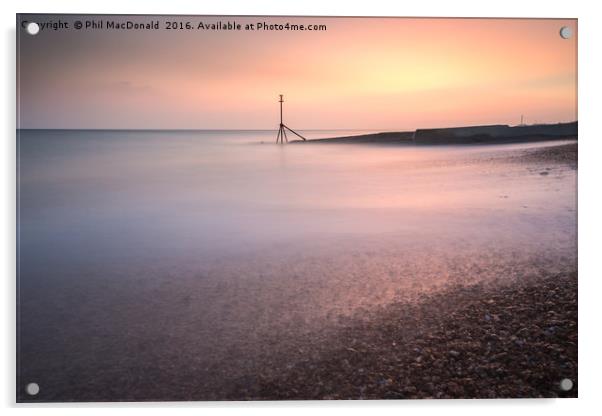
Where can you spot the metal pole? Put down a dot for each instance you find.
(281, 137)
(281, 101)
(293, 131)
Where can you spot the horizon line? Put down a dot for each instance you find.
(183, 129)
(392, 130)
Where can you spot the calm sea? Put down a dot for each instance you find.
(170, 264)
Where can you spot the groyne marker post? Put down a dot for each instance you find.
(281, 137)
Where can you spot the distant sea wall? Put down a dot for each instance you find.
(495, 133)
(386, 138)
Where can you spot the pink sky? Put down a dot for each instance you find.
(361, 73)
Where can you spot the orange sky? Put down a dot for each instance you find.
(372, 73)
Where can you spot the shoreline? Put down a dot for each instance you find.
(404, 138)
(512, 340)
(564, 154)
(492, 134)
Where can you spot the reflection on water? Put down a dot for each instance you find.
(167, 264)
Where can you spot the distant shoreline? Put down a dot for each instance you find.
(490, 134)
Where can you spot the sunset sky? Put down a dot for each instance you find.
(361, 73)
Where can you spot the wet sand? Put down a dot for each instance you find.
(563, 154)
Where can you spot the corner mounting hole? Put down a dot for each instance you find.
(566, 384)
(32, 389)
(566, 32)
(32, 28)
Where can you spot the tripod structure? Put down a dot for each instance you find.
(283, 128)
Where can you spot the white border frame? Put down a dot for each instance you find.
(590, 139)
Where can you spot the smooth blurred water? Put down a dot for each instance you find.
(196, 258)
